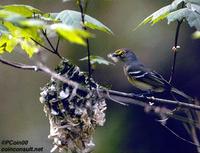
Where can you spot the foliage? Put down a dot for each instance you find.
(96, 60)
(188, 10)
(22, 25)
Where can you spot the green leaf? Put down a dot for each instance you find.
(196, 35)
(157, 16)
(10, 16)
(24, 10)
(160, 14)
(177, 15)
(97, 60)
(29, 46)
(71, 34)
(96, 27)
(20, 32)
(73, 18)
(192, 17)
(3, 30)
(193, 1)
(7, 43)
(18, 35)
(32, 23)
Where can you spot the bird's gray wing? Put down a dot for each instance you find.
(147, 76)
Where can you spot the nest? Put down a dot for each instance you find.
(73, 113)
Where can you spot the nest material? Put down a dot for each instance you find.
(73, 113)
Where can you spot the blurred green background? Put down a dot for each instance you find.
(128, 129)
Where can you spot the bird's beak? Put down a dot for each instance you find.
(113, 57)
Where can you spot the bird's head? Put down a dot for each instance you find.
(123, 54)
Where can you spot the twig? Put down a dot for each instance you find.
(87, 40)
(131, 96)
(153, 99)
(183, 139)
(19, 65)
(57, 44)
(42, 46)
(47, 38)
(42, 68)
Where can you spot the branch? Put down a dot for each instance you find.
(19, 65)
(130, 96)
(152, 99)
(54, 50)
(87, 40)
(42, 68)
(42, 46)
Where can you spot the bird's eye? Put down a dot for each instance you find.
(120, 52)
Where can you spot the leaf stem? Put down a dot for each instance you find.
(175, 50)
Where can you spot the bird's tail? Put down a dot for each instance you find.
(181, 94)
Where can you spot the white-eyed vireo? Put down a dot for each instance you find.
(142, 77)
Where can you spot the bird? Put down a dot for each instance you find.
(142, 77)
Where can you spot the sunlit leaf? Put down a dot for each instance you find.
(3, 29)
(24, 10)
(7, 43)
(29, 46)
(19, 32)
(192, 17)
(96, 27)
(193, 1)
(97, 60)
(32, 23)
(73, 18)
(157, 16)
(71, 34)
(160, 14)
(196, 35)
(10, 16)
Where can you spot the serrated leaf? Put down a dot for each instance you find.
(19, 32)
(177, 15)
(196, 35)
(7, 43)
(3, 29)
(71, 34)
(73, 18)
(29, 46)
(97, 60)
(32, 23)
(24, 10)
(193, 7)
(96, 27)
(160, 14)
(193, 18)
(157, 16)
(193, 1)
(10, 16)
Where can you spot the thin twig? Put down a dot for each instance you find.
(51, 51)
(19, 65)
(42, 68)
(131, 96)
(42, 46)
(183, 139)
(47, 38)
(87, 40)
(57, 44)
(154, 99)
